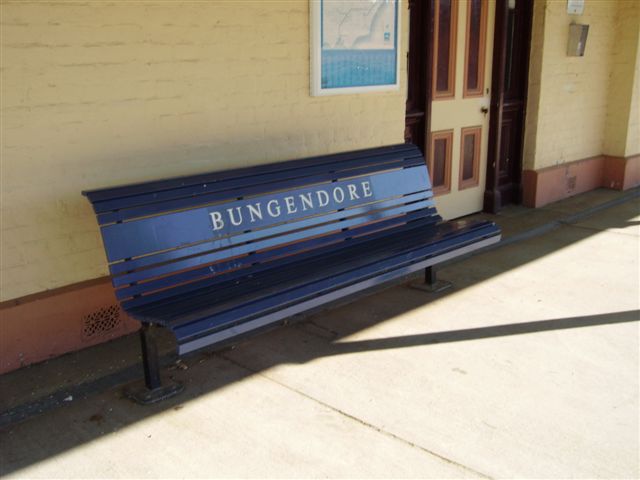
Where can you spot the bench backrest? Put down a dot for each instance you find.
(170, 236)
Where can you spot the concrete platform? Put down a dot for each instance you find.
(527, 368)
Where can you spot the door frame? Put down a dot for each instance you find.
(419, 62)
(492, 196)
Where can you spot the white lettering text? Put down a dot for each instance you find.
(255, 211)
(307, 203)
(352, 191)
(232, 216)
(277, 208)
(321, 194)
(291, 208)
(216, 219)
(366, 187)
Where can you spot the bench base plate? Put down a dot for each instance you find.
(437, 286)
(139, 393)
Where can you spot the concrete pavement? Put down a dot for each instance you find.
(527, 368)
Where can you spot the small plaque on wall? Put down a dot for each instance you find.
(354, 46)
(575, 7)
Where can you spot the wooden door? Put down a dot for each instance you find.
(418, 73)
(508, 103)
(459, 129)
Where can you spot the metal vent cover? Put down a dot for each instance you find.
(101, 321)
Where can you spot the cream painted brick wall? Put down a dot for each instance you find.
(633, 132)
(573, 115)
(569, 96)
(102, 93)
(535, 93)
(580, 107)
(621, 109)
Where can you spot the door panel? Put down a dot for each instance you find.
(418, 102)
(508, 160)
(461, 107)
(508, 103)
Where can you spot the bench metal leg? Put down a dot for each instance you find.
(431, 282)
(153, 391)
(150, 358)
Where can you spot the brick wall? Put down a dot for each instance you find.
(633, 130)
(97, 94)
(534, 88)
(581, 107)
(622, 113)
(569, 99)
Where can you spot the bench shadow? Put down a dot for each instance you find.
(101, 409)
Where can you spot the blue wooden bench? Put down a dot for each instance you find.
(217, 255)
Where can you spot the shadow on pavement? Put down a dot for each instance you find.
(98, 407)
(485, 332)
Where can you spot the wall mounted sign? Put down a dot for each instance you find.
(575, 7)
(354, 46)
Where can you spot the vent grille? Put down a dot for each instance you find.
(101, 321)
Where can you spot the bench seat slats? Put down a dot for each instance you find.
(332, 279)
(139, 194)
(208, 259)
(236, 330)
(208, 195)
(99, 195)
(178, 229)
(194, 274)
(276, 258)
(236, 250)
(252, 236)
(272, 260)
(317, 266)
